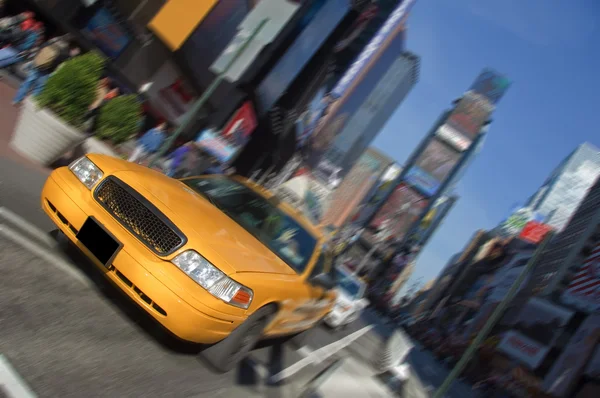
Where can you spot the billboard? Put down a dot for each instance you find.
(309, 40)
(432, 167)
(368, 55)
(177, 19)
(465, 121)
(105, 32)
(534, 232)
(584, 290)
(361, 178)
(473, 109)
(567, 369)
(491, 85)
(397, 215)
(375, 198)
(517, 221)
(538, 326)
(432, 219)
(277, 14)
(226, 143)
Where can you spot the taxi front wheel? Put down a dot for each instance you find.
(229, 352)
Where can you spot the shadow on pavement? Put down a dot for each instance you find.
(118, 299)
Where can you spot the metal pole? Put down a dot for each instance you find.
(494, 318)
(206, 95)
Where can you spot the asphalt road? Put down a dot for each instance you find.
(70, 339)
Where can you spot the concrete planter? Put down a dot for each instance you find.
(41, 136)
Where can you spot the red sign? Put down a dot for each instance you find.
(243, 121)
(534, 232)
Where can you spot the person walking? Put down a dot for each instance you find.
(49, 58)
(149, 143)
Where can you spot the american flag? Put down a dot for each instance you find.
(586, 282)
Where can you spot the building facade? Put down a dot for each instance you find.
(563, 257)
(560, 195)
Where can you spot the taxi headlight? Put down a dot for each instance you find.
(86, 171)
(213, 280)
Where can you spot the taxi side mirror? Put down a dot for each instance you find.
(324, 281)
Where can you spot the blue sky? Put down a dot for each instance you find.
(550, 49)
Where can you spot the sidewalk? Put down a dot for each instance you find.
(8, 119)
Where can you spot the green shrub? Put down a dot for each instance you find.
(71, 90)
(119, 119)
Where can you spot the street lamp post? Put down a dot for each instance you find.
(498, 312)
(206, 95)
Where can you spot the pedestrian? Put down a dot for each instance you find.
(105, 91)
(48, 59)
(177, 158)
(149, 143)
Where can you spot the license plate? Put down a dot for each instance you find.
(99, 241)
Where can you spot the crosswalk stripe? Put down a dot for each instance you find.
(11, 382)
(26, 226)
(43, 253)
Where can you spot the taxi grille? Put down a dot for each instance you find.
(139, 216)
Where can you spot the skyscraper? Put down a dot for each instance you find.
(558, 198)
(388, 85)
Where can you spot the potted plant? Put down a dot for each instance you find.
(118, 121)
(49, 124)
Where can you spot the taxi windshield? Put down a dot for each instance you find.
(263, 219)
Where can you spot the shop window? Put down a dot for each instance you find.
(178, 96)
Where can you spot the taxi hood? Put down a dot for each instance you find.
(211, 232)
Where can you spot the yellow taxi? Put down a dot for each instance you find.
(216, 260)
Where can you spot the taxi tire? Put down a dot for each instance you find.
(229, 352)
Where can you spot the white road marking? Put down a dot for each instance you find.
(11, 382)
(320, 355)
(26, 226)
(43, 253)
(305, 351)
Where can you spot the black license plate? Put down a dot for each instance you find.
(99, 241)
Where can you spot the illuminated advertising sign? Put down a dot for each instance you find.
(361, 178)
(397, 215)
(395, 20)
(534, 232)
(373, 200)
(535, 332)
(106, 33)
(236, 133)
(469, 115)
(491, 85)
(432, 167)
(584, 290)
(177, 19)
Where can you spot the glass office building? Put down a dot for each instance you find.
(561, 194)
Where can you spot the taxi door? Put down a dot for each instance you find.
(320, 300)
(307, 307)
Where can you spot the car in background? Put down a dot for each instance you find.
(216, 260)
(350, 300)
